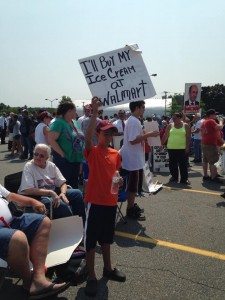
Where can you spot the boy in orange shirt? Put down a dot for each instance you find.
(103, 162)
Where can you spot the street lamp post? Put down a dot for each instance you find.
(165, 97)
(51, 100)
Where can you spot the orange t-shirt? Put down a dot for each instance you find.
(102, 163)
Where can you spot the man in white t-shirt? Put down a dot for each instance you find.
(133, 158)
(87, 113)
(41, 178)
(24, 239)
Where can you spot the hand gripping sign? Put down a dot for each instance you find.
(118, 76)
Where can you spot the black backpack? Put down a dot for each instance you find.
(74, 271)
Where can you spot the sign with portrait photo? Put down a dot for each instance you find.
(117, 77)
(192, 97)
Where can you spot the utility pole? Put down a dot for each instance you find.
(165, 97)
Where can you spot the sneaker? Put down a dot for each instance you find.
(134, 214)
(115, 275)
(216, 180)
(185, 182)
(141, 194)
(137, 207)
(172, 179)
(91, 288)
(205, 178)
(23, 157)
(198, 161)
(218, 175)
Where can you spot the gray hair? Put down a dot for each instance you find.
(43, 147)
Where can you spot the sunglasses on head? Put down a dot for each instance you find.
(36, 154)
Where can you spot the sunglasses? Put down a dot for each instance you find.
(36, 154)
(108, 133)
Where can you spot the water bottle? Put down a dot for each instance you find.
(115, 183)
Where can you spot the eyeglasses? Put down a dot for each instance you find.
(36, 154)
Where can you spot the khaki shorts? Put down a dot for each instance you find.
(210, 154)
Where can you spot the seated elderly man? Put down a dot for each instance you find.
(25, 239)
(41, 178)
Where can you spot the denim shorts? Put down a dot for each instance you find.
(28, 223)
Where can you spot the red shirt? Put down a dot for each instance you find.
(102, 163)
(209, 132)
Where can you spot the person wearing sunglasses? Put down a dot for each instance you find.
(41, 178)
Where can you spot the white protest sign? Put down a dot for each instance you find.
(148, 184)
(118, 76)
(160, 159)
(152, 126)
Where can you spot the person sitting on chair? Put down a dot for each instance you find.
(24, 239)
(41, 177)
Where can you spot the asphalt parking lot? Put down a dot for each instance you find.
(177, 253)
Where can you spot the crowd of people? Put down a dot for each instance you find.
(56, 149)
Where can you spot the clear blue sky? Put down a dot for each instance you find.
(42, 40)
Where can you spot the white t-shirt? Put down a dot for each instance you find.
(35, 177)
(132, 155)
(4, 209)
(39, 134)
(80, 120)
(119, 125)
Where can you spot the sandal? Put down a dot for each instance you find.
(48, 291)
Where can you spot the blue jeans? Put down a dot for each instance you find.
(28, 146)
(70, 170)
(75, 207)
(197, 149)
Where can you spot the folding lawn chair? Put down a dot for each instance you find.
(122, 197)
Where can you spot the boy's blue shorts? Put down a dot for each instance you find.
(28, 223)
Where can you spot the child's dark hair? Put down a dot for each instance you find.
(135, 104)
